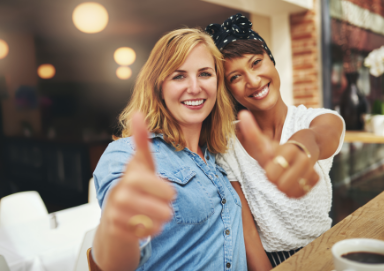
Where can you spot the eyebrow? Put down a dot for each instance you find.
(202, 69)
(249, 60)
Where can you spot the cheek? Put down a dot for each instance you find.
(169, 92)
(236, 92)
(211, 87)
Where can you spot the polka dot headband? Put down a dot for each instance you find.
(234, 28)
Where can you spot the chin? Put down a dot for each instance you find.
(263, 105)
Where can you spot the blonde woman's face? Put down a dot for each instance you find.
(190, 92)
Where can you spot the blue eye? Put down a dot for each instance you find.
(177, 77)
(205, 74)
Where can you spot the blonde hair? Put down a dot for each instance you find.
(169, 53)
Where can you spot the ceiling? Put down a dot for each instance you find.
(134, 23)
(142, 21)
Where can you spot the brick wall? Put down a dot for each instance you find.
(375, 6)
(305, 59)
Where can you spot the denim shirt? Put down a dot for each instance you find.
(206, 231)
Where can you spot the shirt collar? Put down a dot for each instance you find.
(204, 148)
(153, 135)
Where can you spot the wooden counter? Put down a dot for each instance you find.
(365, 222)
(361, 136)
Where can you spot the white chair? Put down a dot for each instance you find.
(82, 262)
(3, 264)
(92, 196)
(21, 207)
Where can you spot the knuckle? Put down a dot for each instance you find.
(120, 197)
(281, 187)
(271, 177)
(298, 195)
(303, 158)
(272, 173)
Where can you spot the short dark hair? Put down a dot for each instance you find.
(241, 47)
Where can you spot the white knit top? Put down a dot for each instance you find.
(283, 223)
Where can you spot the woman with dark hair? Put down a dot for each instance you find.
(284, 174)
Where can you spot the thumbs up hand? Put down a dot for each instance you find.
(139, 204)
(285, 165)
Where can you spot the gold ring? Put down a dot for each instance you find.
(280, 160)
(303, 184)
(142, 224)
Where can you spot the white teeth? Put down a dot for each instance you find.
(193, 103)
(261, 93)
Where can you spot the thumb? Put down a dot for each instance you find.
(140, 137)
(256, 143)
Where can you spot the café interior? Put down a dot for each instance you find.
(64, 81)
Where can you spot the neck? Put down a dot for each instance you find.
(271, 121)
(192, 137)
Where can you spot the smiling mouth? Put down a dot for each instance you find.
(193, 102)
(261, 93)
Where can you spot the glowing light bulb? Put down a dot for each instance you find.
(4, 49)
(123, 73)
(124, 56)
(46, 71)
(90, 17)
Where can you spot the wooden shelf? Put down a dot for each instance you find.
(360, 136)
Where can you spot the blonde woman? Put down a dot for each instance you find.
(171, 189)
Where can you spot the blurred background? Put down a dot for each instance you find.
(68, 68)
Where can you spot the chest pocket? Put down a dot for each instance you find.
(192, 205)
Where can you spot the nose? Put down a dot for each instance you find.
(194, 86)
(253, 80)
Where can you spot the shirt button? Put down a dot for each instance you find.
(223, 201)
(228, 265)
(227, 232)
(207, 157)
(217, 176)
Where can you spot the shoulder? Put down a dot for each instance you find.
(111, 166)
(230, 160)
(233, 147)
(112, 163)
(122, 144)
(304, 115)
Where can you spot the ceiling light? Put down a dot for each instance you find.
(4, 49)
(123, 73)
(124, 56)
(90, 17)
(46, 71)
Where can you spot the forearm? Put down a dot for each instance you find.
(257, 259)
(112, 253)
(324, 134)
(308, 138)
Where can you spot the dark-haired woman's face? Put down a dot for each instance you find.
(254, 81)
